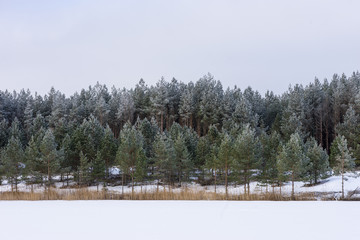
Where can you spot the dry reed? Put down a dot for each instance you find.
(85, 194)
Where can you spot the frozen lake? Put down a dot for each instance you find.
(178, 220)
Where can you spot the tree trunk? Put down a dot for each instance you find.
(132, 182)
(215, 180)
(342, 186)
(292, 185)
(321, 130)
(198, 127)
(280, 189)
(342, 177)
(48, 173)
(327, 137)
(168, 124)
(161, 122)
(245, 181)
(226, 179)
(122, 184)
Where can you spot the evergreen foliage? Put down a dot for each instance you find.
(292, 159)
(344, 160)
(175, 132)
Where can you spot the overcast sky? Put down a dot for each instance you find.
(262, 43)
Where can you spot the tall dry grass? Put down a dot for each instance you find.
(85, 194)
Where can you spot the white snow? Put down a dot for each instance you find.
(159, 220)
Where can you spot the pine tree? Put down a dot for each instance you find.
(203, 150)
(244, 113)
(164, 158)
(13, 161)
(4, 133)
(141, 168)
(186, 108)
(318, 162)
(182, 159)
(126, 108)
(16, 130)
(350, 129)
(84, 170)
(270, 147)
(292, 159)
(213, 163)
(28, 119)
(98, 169)
(66, 165)
(149, 130)
(212, 144)
(246, 146)
(129, 152)
(108, 149)
(225, 156)
(49, 156)
(102, 110)
(159, 101)
(281, 166)
(33, 167)
(210, 102)
(2, 169)
(344, 160)
(141, 98)
(38, 127)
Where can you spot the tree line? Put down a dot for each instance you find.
(175, 132)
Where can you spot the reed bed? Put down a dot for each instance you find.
(184, 194)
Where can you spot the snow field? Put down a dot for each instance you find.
(178, 220)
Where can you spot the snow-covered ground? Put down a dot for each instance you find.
(330, 187)
(178, 220)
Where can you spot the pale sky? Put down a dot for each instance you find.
(70, 44)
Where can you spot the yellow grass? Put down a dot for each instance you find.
(184, 194)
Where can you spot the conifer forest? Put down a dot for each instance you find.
(174, 133)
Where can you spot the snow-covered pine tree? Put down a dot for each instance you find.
(126, 108)
(164, 159)
(182, 159)
(318, 162)
(33, 165)
(292, 159)
(98, 167)
(344, 160)
(159, 101)
(129, 152)
(84, 170)
(187, 106)
(141, 96)
(108, 148)
(4, 133)
(49, 156)
(225, 156)
(13, 161)
(245, 153)
(270, 147)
